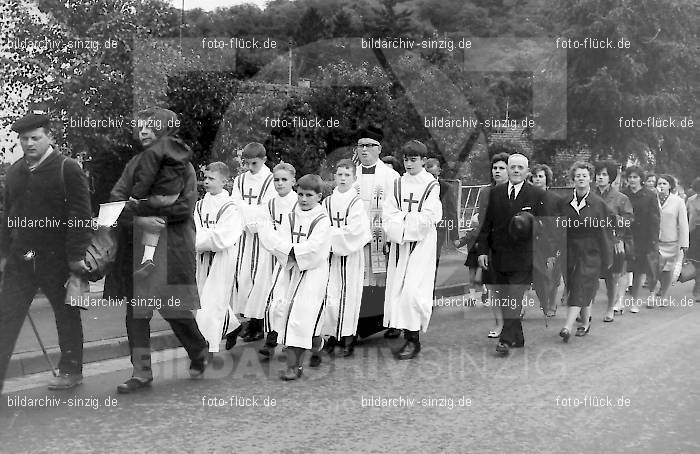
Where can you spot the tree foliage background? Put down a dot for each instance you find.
(222, 109)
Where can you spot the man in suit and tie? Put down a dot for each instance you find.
(507, 233)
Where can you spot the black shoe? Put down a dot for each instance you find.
(315, 360)
(348, 343)
(348, 350)
(133, 384)
(144, 270)
(392, 333)
(503, 349)
(66, 381)
(199, 365)
(409, 350)
(565, 334)
(232, 337)
(330, 345)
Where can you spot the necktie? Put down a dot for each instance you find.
(512, 193)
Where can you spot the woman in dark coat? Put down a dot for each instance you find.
(643, 260)
(499, 174)
(171, 287)
(589, 251)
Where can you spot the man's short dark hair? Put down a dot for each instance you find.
(254, 150)
(609, 165)
(311, 182)
(220, 168)
(414, 148)
(346, 164)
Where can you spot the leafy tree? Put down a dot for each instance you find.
(656, 76)
(312, 27)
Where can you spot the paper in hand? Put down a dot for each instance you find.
(109, 213)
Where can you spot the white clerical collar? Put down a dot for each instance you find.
(579, 206)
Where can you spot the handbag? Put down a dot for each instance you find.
(688, 271)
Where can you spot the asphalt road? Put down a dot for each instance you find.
(630, 386)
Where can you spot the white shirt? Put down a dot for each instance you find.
(517, 187)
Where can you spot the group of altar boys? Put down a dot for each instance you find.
(291, 262)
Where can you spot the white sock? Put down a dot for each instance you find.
(148, 252)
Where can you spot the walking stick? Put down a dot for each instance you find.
(41, 344)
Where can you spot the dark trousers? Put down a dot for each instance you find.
(21, 281)
(509, 289)
(138, 330)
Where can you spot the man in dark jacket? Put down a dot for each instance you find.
(44, 233)
(510, 261)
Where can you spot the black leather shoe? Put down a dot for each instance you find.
(133, 384)
(144, 270)
(315, 360)
(502, 348)
(392, 333)
(199, 365)
(329, 347)
(348, 350)
(409, 350)
(232, 337)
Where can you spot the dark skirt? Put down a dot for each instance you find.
(583, 269)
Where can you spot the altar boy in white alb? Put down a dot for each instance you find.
(350, 232)
(270, 215)
(409, 218)
(301, 246)
(218, 228)
(251, 190)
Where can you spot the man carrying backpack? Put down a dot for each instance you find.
(44, 232)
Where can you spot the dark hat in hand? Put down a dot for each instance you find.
(31, 121)
(520, 227)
